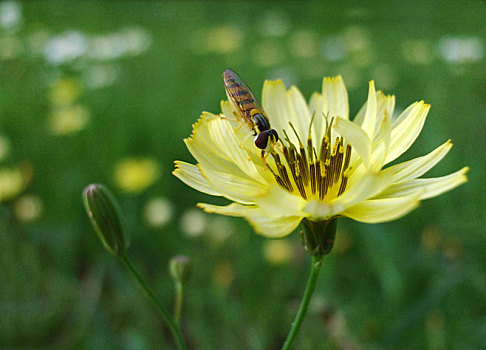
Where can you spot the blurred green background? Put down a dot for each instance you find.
(106, 91)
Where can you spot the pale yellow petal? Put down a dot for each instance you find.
(278, 202)
(316, 105)
(386, 106)
(370, 117)
(361, 186)
(356, 137)
(233, 187)
(272, 227)
(358, 119)
(262, 224)
(191, 176)
(276, 104)
(427, 188)
(369, 185)
(406, 129)
(418, 166)
(335, 98)
(318, 210)
(380, 151)
(233, 209)
(382, 210)
(299, 112)
(204, 150)
(223, 136)
(208, 152)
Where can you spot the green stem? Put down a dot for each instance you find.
(179, 299)
(174, 329)
(309, 290)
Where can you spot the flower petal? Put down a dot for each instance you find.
(356, 137)
(223, 135)
(361, 186)
(427, 188)
(278, 202)
(335, 98)
(382, 210)
(274, 101)
(300, 112)
(316, 105)
(386, 106)
(235, 188)
(369, 185)
(191, 176)
(283, 107)
(202, 147)
(379, 152)
(370, 118)
(233, 209)
(406, 128)
(207, 145)
(272, 227)
(262, 224)
(418, 166)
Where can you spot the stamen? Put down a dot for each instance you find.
(313, 175)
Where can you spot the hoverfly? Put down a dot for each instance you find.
(250, 110)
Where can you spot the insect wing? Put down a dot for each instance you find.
(241, 95)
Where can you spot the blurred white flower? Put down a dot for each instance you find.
(100, 75)
(193, 222)
(274, 24)
(65, 47)
(455, 49)
(10, 14)
(158, 212)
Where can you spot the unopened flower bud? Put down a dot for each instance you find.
(105, 215)
(180, 268)
(318, 236)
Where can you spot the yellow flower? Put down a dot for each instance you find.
(324, 166)
(136, 174)
(12, 182)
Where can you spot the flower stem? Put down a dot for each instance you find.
(174, 329)
(309, 290)
(179, 299)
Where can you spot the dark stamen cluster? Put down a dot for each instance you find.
(313, 175)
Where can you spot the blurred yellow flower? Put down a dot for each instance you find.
(12, 182)
(136, 174)
(277, 252)
(4, 147)
(68, 119)
(221, 39)
(65, 91)
(28, 207)
(324, 166)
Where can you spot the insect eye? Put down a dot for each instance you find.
(261, 141)
(274, 134)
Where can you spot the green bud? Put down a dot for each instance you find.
(318, 236)
(180, 268)
(105, 215)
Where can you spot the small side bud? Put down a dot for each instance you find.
(105, 216)
(318, 236)
(180, 268)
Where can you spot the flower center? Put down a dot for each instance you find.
(312, 175)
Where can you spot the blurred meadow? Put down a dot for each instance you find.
(106, 91)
